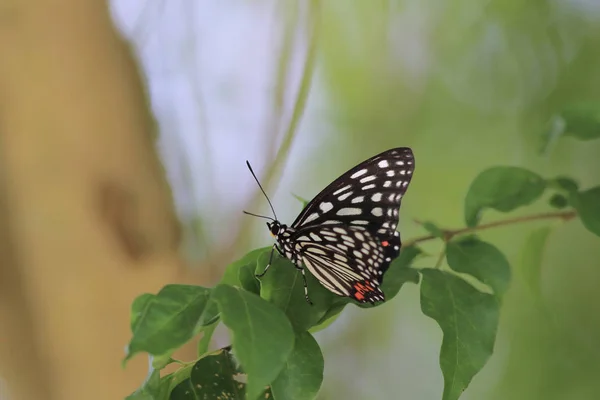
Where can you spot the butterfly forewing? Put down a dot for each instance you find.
(367, 195)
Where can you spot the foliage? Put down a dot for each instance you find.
(273, 353)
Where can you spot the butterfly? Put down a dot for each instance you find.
(346, 236)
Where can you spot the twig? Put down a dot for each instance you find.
(449, 234)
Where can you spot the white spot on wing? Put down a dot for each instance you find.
(390, 173)
(316, 250)
(315, 237)
(377, 211)
(325, 206)
(371, 186)
(347, 238)
(340, 257)
(358, 199)
(342, 190)
(376, 197)
(358, 173)
(387, 184)
(349, 211)
(344, 196)
(368, 179)
(383, 164)
(311, 217)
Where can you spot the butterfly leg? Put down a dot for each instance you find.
(305, 287)
(270, 261)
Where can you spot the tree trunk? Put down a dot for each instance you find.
(86, 217)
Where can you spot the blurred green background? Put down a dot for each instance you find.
(467, 85)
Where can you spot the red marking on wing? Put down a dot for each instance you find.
(385, 243)
(361, 289)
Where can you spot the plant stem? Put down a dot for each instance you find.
(450, 233)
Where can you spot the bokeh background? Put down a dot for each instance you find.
(466, 84)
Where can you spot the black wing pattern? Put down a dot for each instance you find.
(346, 236)
(346, 260)
(368, 195)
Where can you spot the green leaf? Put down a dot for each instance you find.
(564, 184)
(330, 316)
(433, 229)
(138, 308)
(558, 201)
(283, 286)
(204, 342)
(169, 320)
(154, 388)
(240, 273)
(400, 272)
(469, 321)
(503, 189)
(159, 362)
(212, 377)
(301, 200)
(587, 204)
(302, 375)
(531, 258)
(262, 335)
(582, 121)
(482, 260)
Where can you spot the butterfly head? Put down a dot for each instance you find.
(276, 227)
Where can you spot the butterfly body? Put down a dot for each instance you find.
(346, 236)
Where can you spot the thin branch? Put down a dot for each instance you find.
(449, 234)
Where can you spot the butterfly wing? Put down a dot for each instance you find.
(346, 260)
(366, 196)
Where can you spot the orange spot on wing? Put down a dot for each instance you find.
(385, 243)
(361, 289)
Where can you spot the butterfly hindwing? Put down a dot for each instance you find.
(347, 260)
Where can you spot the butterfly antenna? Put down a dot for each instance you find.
(257, 215)
(262, 190)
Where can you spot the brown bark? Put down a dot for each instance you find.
(86, 220)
